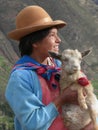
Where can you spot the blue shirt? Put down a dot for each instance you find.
(24, 95)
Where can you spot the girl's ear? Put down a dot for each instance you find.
(34, 45)
(86, 52)
(55, 55)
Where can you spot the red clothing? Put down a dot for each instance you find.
(48, 94)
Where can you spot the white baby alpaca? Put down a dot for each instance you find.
(77, 117)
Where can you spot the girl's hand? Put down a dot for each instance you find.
(89, 127)
(67, 96)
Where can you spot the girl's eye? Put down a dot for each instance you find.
(51, 33)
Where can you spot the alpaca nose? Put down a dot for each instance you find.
(75, 67)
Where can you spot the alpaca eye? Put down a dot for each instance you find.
(80, 59)
(66, 59)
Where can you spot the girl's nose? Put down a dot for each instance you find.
(58, 39)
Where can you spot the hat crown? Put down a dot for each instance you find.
(32, 19)
(32, 15)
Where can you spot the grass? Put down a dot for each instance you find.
(6, 123)
(95, 84)
(6, 116)
(5, 68)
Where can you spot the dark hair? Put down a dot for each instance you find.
(25, 45)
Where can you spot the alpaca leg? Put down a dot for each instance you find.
(81, 98)
(93, 117)
(92, 103)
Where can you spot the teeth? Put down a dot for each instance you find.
(56, 47)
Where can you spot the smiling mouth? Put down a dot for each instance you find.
(56, 47)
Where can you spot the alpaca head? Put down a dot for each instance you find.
(71, 59)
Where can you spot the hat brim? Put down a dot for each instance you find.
(17, 34)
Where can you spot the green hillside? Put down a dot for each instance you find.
(5, 68)
(6, 115)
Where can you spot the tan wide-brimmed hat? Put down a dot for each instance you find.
(31, 19)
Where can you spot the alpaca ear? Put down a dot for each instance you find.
(86, 52)
(55, 55)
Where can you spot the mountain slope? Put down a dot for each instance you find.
(81, 31)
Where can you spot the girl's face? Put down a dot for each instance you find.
(50, 42)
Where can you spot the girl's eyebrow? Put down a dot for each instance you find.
(53, 32)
